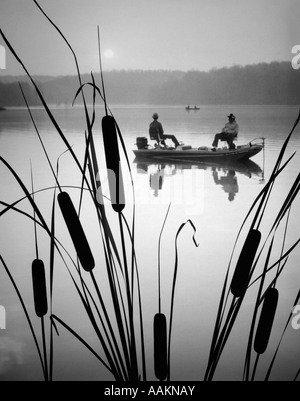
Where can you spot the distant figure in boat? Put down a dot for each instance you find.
(228, 134)
(156, 132)
(195, 108)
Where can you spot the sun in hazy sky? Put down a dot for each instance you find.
(108, 53)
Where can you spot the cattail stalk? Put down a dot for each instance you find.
(160, 347)
(76, 231)
(113, 163)
(241, 275)
(266, 320)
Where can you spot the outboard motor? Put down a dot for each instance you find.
(142, 143)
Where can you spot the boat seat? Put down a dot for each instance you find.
(157, 139)
(234, 139)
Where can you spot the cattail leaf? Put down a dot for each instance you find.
(241, 275)
(39, 288)
(113, 164)
(76, 231)
(266, 320)
(160, 346)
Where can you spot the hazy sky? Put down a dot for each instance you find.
(150, 34)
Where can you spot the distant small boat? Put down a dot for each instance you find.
(2, 108)
(189, 108)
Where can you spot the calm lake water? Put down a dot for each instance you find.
(216, 198)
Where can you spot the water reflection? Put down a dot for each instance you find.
(228, 181)
(12, 121)
(223, 174)
(156, 180)
(11, 354)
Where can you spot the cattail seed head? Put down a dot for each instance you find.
(240, 278)
(266, 320)
(39, 288)
(76, 231)
(113, 163)
(160, 346)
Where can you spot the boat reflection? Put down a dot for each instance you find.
(224, 175)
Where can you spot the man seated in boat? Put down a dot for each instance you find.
(156, 132)
(228, 134)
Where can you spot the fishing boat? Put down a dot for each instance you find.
(203, 153)
(189, 108)
(246, 167)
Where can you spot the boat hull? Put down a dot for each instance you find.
(240, 153)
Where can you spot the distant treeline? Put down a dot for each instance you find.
(273, 83)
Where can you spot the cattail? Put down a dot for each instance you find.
(39, 288)
(160, 346)
(240, 278)
(266, 320)
(76, 231)
(112, 155)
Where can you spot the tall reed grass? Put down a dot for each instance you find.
(118, 325)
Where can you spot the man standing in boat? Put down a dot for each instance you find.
(156, 132)
(228, 134)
